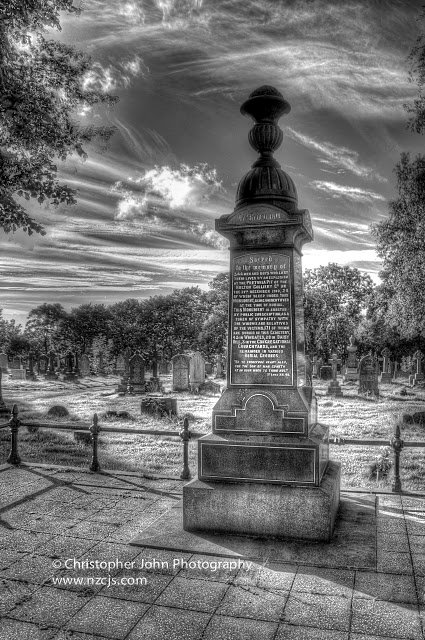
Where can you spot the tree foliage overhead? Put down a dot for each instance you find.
(417, 75)
(41, 87)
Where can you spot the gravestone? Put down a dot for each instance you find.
(208, 368)
(3, 362)
(181, 364)
(334, 389)
(385, 376)
(16, 363)
(69, 374)
(162, 367)
(368, 375)
(264, 469)
(418, 376)
(84, 365)
(51, 370)
(5, 413)
(219, 373)
(325, 372)
(351, 365)
(100, 364)
(43, 363)
(120, 364)
(18, 374)
(30, 373)
(196, 372)
(137, 374)
(123, 385)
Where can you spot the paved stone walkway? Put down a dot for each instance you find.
(49, 517)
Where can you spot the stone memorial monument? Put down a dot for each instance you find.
(196, 371)
(351, 365)
(43, 363)
(386, 375)
(123, 385)
(120, 364)
(30, 373)
(368, 375)
(334, 389)
(181, 364)
(264, 469)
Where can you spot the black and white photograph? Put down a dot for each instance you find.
(212, 320)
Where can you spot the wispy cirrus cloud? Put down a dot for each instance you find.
(107, 78)
(355, 194)
(341, 159)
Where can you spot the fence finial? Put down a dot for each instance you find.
(185, 435)
(94, 430)
(397, 445)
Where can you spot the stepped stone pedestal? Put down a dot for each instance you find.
(264, 468)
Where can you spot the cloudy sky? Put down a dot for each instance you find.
(144, 223)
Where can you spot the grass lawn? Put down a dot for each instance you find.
(350, 416)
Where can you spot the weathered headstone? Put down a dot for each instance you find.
(4, 365)
(325, 372)
(334, 389)
(30, 373)
(386, 376)
(264, 471)
(162, 367)
(219, 373)
(123, 385)
(51, 371)
(137, 374)
(18, 374)
(368, 376)
(181, 364)
(43, 363)
(69, 374)
(84, 365)
(16, 363)
(120, 364)
(351, 365)
(100, 364)
(208, 368)
(418, 376)
(196, 371)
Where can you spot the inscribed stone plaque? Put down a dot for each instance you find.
(261, 320)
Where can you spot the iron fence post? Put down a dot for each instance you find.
(94, 430)
(185, 435)
(397, 445)
(14, 424)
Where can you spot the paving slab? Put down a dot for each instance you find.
(368, 583)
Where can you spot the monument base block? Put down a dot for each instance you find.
(264, 510)
(334, 389)
(385, 378)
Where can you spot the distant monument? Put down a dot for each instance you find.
(386, 375)
(264, 469)
(181, 365)
(351, 365)
(334, 389)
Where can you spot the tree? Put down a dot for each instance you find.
(41, 86)
(417, 75)
(400, 241)
(335, 297)
(82, 325)
(43, 325)
(212, 339)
